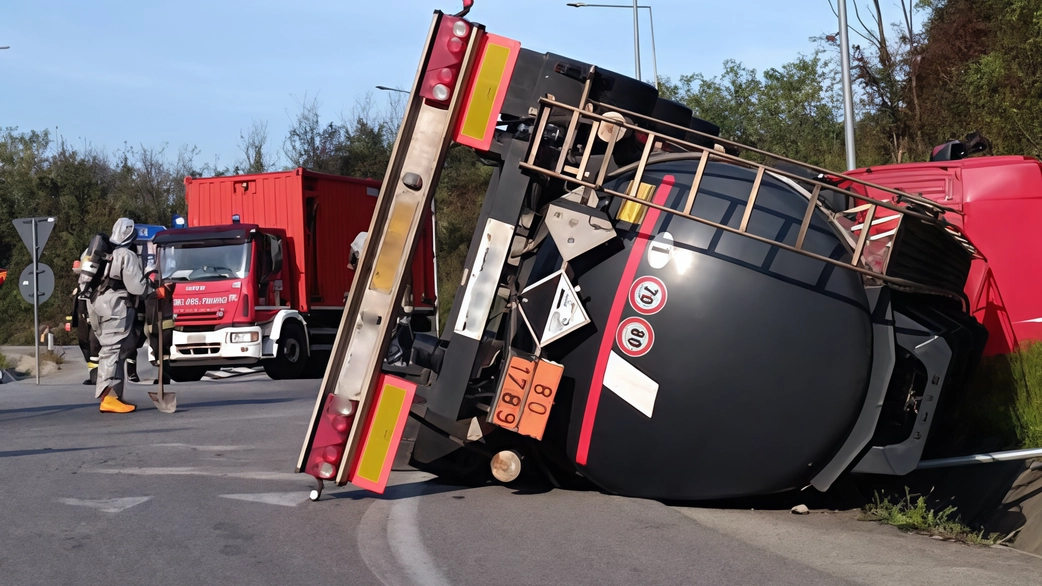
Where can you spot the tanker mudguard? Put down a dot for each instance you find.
(95, 266)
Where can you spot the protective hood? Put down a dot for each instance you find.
(123, 232)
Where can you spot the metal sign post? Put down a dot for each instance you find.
(848, 91)
(34, 233)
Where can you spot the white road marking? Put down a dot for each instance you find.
(403, 535)
(374, 547)
(195, 471)
(389, 538)
(106, 505)
(231, 372)
(203, 448)
(285, 499)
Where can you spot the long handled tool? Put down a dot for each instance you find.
(165, 402)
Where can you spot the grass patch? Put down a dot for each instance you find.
(4, 363)
(1004, 401)
(914, 515)
(1027, 396)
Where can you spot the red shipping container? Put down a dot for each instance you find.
(321, 214)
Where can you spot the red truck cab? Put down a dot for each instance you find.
(227, 287)
(995, 202)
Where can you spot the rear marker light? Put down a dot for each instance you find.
(342, 405)
(327, 448)
(340, 423)
(445, 60)
(332, 454)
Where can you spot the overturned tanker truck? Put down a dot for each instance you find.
(645, 304)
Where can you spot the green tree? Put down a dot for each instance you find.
(790, 111)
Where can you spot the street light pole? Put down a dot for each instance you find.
(636, 38)
(654, 58)
(391, 89)
(848, 92)
(651, 22)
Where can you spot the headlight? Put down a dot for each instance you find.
(243, 337)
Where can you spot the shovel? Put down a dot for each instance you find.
(165, 402)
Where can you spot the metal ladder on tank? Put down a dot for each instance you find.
(868, 211)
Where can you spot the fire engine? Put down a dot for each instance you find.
(261, 271)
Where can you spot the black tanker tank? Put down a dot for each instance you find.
(716, 365)
(725, 349)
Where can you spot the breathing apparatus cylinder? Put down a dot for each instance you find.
(94, 266)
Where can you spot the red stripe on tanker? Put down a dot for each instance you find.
(640, 243)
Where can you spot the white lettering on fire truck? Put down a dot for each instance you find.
(200, 301)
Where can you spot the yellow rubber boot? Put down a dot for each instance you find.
(110, 404)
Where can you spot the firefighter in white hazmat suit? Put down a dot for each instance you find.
(112, 315)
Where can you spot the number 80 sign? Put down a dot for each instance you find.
(635, 337)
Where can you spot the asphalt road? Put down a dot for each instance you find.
(207, 496)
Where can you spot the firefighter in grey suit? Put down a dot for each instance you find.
(112, 315)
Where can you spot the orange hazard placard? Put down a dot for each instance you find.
(516, 380)
(540, 399)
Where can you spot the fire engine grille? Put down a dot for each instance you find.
(199, 349)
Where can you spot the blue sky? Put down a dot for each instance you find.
(197, 72)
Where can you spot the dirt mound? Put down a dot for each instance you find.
(27, 365)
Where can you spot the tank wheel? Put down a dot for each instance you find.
(506, 466)
(186, 374)
(291, 355)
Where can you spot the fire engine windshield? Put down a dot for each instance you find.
(205, 263)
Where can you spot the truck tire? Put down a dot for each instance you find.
(186, 374)
(291, 355)
(315, 368)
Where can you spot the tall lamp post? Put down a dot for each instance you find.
(384, 88)
(848, 93)
(636, 39)
(651, 21)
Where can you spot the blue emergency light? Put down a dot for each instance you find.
(179, 222)
(147, 232)
(235, 218)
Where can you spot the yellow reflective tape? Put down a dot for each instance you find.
(483, 94)
(381, 431)
(393, 247)
(631, 211)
